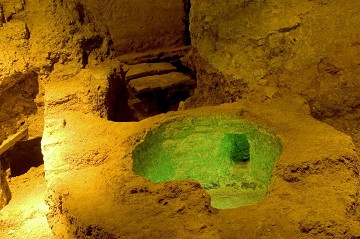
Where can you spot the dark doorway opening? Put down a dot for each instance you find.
(23, 156)
(147, 89)
(117, 98)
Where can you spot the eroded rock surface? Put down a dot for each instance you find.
(149, 69)
(5, 194)
(35, 40)
(255, 52)
(141, 25)
(318, 167)
(310, 47)
(160, 82)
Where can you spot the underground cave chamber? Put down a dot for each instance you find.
(232, 159)
(58, 60)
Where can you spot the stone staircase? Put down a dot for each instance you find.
(157, 88)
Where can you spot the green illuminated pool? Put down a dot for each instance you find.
(232, 159)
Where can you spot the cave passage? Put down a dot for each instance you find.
(23, 156)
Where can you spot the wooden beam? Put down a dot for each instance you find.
(12, 140)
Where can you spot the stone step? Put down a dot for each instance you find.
(149, 69)
(165, 54)
(160, 82)
(12, 140)
(138, 107)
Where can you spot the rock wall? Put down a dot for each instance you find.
(309, 47)
(5, 194)
(19, 105)
(141, 25)
(39, 35)
(36, 40)
(59, 38)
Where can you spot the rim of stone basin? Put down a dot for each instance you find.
(233, 159)
(93, 190)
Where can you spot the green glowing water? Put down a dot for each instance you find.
(232, 159)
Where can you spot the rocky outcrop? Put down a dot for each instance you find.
(5, 194)
(37, 39)
(311, 48)
(19, 104)
(2, 135)
(14, 38)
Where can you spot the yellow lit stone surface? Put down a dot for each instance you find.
(161, 82)
(317, 167)
(278, 64)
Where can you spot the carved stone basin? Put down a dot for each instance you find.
(244, 169)
(232, 159)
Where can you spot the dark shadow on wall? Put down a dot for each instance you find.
(117, 97)
(18, 93)
(186, 20)
(23, 156)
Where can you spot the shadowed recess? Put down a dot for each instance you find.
(25, 155)
(232, 159)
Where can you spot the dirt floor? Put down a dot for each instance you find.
(25, 216)
(349, 124)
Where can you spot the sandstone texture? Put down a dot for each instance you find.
(274, 63)
(5, 194)
(141, 25)
(313, 191)
(147, 69)
(309, 47)
(34, 38)
(37, 39)
(160, 82)
(25, 215)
